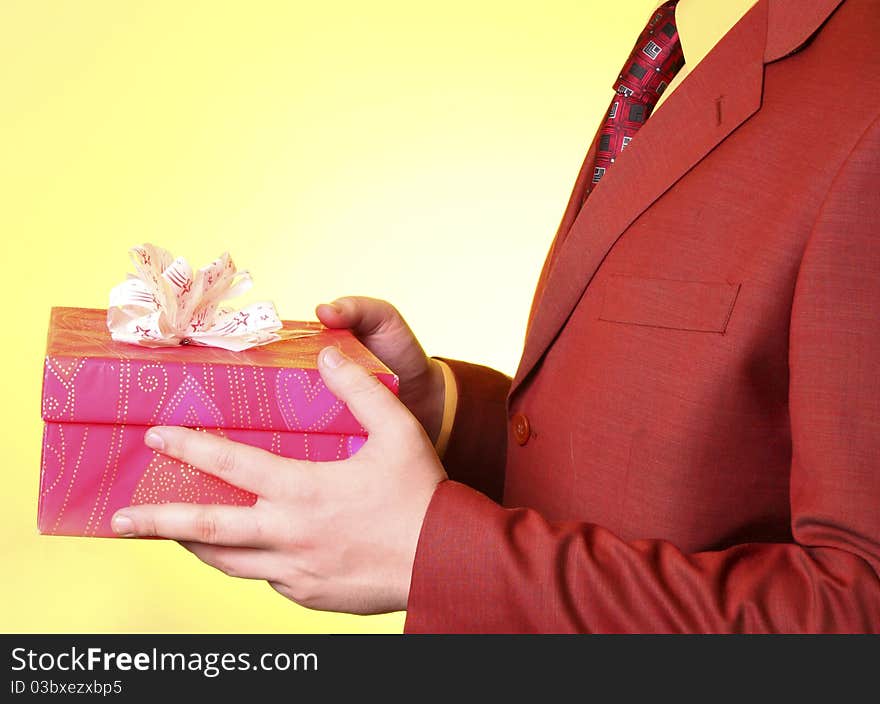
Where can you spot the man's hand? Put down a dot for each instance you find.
(385, 333)
(336, 536)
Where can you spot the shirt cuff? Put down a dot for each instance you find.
(450, 404)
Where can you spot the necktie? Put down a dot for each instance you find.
(652, 64)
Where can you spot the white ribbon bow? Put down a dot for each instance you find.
(164, 304)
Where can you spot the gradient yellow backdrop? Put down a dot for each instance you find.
(419, 152)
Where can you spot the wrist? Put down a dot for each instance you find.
(424, 395)
(435, 400)
(449, 406)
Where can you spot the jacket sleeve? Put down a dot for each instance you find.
(483, 568)
(477, 448)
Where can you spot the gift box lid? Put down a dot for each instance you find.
(90, 378)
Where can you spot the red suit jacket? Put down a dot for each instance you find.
(692, 439)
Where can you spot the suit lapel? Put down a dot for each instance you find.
(715, 98)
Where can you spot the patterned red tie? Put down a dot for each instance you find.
(651, 66)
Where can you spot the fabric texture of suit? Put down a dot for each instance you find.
(700, 371)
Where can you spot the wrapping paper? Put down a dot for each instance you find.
(100, 396)
(89, 378)
(90, 470)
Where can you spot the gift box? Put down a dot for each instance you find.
(100, 396)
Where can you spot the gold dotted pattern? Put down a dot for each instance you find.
(208, 376)
(167, 480)
(60, 458)
(149, 378)
(263, 404)
(233, 398)
(79, 457)
(66, 375)
(238, 397)
(111, 466)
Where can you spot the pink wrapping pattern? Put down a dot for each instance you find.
(88, 378)
(100, 396)
(89, 471)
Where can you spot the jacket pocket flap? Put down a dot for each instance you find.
(698, 306)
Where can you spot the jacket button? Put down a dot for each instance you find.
(521, 428)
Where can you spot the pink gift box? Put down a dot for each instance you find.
(100, 396)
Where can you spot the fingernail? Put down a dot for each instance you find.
(332, 357)
(122, 525)
(154, 440)
(335, 306)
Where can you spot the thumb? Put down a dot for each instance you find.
(382, 329)
(371, 402)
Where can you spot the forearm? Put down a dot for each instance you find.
(483, 568)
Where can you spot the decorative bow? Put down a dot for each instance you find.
(166, 304)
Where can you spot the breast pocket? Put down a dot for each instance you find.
(698, 306)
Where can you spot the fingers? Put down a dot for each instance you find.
(362, 315)
(382, 329)
(331, 315)
(209, 524)
(245, 563)
(244, 466)
(375, 407)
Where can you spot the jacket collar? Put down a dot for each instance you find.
(717, 96)
(791, 22)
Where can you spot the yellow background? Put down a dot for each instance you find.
(419, 152)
